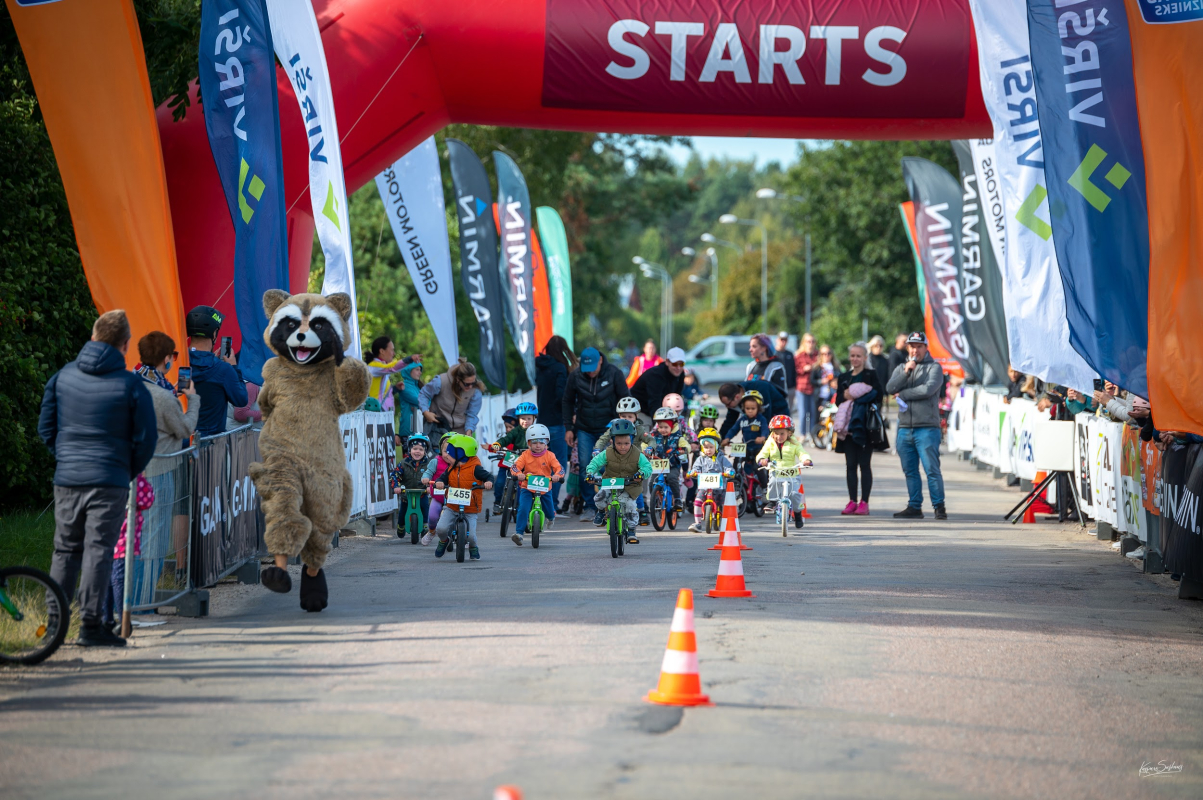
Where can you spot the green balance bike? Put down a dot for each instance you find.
(538, 485)
(615, 526)
(414, 521)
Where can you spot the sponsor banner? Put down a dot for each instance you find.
(981, 282)
(559, 272)
(298, 44)
(1021, 419)
(246, 522)
(986, 428)
(227, 522)
(960, 420)
(1082, 63)
(478, 256)
(1182, 484)
(934, 344)
(381, 457)
(238, 90)
(1005, 444)
(1150, 470)
(541, 294)
(355, 456)
(908, 220)
(412, 192)
(1167, 11)
(994, 211)
(837, 58)
(1168, 65)
(1083, 473)
(1104, 438)
(1033, 295)
(514, 229)
(1131, 484)
(87, 65)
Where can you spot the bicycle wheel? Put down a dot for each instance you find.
(614, 527)
(756, 505)
(461, 539)
(783, 515)
(706, 512)
(673, 516)
(415, 527)
(659, 515)
(536, 527)
(506, 499)
(622, 538)
(34, 618)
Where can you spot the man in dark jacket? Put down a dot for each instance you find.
(664, 378)
(591, 398)
(730, 395)
(98, 420)
(217, 377)
(917, 384)
(786, 357)
(551, 379)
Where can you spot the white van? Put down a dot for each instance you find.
(724, 359)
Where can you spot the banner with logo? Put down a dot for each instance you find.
(238, 90)
(1104, 436)
(1182, 485)
(246, 525)
(960, 420)
(514, 228)
(1150, 472)
(355, 455)
(1021, 416)
(298, 44)
(981, 282)
(986, 427)
(937, 349)
(1082, 65)
(1033, 295)
(1132, 512)
(87, 65)
(381, 455)
(412, 192)
(559, 272)
(1083, 461)
(1168, 64)
(540, 293)
(478, 256)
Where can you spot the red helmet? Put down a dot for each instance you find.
(781, 421)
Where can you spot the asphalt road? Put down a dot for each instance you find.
(965, 658)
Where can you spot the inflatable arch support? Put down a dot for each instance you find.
(404, 69)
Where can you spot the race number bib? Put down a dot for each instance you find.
(712, 480)
(613, 483)
(739, 449)
(787, 472)
(459, 497)
(439, 494)
(660, 466)
(510, 458)
(539, 484)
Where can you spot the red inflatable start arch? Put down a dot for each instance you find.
(403, 69)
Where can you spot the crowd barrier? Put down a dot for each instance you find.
(1120, 481)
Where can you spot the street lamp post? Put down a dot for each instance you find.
(771, 194)
(731, 219)
(713, 279)
(653, 270)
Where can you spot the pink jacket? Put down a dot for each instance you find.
(145, 499)
(843, 415)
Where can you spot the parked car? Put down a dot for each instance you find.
(723, 359)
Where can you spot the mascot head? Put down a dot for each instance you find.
(307, 329)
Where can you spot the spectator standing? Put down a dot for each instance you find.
(407, 397)
(643, 363)
(786, 357)
(98, 420)
(804, 362)
(764, 365)
(590, 402)
(667, 377)
(879, 362)
(552, 368)
(917, 383)
(174, 426)
(218, 380)
(857, 445)
(897, 355)
(382, 366)
(451, 401)
(824, 377)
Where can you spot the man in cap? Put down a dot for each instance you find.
(662, 379)
(917, 383)
(216, 375)
(590, 402)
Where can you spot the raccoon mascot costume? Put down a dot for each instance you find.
(302, 481)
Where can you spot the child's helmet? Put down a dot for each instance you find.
(622, 427)
(446, 437)
(417, 438)
(510, 415)
(665, 414)
(538, 433)
(708, 412)
(527, 410)
(752, 395)
(675, 402)
(708, 433)
(781, 421)
(628, 405)
(462, 447)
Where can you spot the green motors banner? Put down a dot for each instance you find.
(559, 273)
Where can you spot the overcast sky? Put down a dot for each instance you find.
(763, 150)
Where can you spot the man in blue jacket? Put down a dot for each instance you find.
(99, 422)
(731, 394)
(216, 375)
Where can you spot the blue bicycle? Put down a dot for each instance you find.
(663, 505)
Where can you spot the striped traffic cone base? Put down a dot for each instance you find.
(730, 581)
(680, 684)
(729, 535)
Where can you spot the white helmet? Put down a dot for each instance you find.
(665, 414)
(628, 405)
(538, 433)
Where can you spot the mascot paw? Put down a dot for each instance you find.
(276, 579)
(313, 590)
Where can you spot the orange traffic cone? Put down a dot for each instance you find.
(1029, 516)
(802, 492)
(680, 684)
(507, 793)
(729, 535)
(730, 581)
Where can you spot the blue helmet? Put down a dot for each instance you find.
(417, 437)
(510, 415)
(527, 410)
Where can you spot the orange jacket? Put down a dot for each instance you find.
(544, 464)
(465, 473)
(640, 365)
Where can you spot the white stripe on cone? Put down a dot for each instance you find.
(731, 567)
(682, 621)
(679, 662)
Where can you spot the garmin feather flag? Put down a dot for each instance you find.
(238, 90)
(559, 272)
(514, 228)
(1094, 163)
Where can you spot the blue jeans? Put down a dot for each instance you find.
(499, 483)
(526, 499)
(915, 446)
(559, 448)
(584, 454)
(807, 413)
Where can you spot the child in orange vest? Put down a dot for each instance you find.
(537, 460)
(465, 472)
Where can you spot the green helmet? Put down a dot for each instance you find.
(622, 427)
(463, 447)
(708, 412)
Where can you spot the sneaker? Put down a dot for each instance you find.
(599, 518)
(910, 512)
(441, 549)
(696, 527)
(632, 539)
(1138, 554)
(427, 538)
(940, 512)
(516, 539)
(96, 635)
(497, 509)
(645, 518)
(850, 508)
(547, 524)
(474, 552)
(862, 508)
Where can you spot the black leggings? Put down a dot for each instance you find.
(856, 455)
